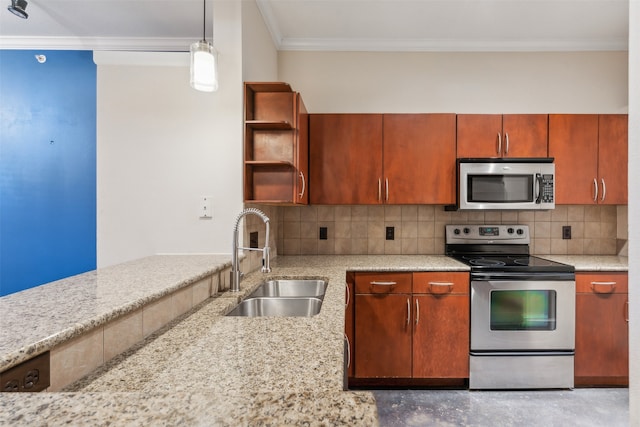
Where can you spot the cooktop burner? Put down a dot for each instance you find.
(511, 263)
(497, 248)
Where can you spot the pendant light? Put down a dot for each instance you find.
(204, 61)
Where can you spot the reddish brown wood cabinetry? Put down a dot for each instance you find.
(509, 135)
(602, 329)
(382, 325)
(375, 158)
(441, 325)
(276, 140)
(590, 154)
(349, 321)
(411, 326)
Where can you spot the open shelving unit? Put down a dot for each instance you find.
(275, 144)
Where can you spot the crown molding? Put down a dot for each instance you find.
(442, 45)
(97, 43)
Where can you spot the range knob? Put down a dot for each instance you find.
(510, 230)
(520, 231)
(466, 230)
(456, 231)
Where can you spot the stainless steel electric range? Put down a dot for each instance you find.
(522, 309)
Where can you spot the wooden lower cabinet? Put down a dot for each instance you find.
(415, 329)
(602, 329)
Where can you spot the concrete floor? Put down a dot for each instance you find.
(579, 407)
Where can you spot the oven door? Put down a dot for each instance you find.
(521, 316)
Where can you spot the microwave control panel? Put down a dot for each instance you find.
(546, 188)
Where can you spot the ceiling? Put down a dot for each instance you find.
(383, 25)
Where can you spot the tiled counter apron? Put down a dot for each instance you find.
(215, 370)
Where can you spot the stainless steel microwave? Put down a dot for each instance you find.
(494, 183)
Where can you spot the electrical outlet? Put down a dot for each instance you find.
(323, 233)
(566, 232)
(390, 233)
(253, 239)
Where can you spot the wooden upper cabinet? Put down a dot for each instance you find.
(495, 135)
(590, 154)
(275, 144)
(419, 152)
(391, 158)
(613, 159)
(345, 159)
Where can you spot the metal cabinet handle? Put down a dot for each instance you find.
(379, 189)
(595, 185)
(611, 285)
(499, 144)
(408, 311)
(386, 185)
(627, 316)
(506, 143)
(304, 184)
(448, 284)
(346, 338)
(417, 311)
(604, 190)
(348, 295)
(376, 283)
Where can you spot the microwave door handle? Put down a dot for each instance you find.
(538, 186)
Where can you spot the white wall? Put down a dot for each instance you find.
(162, 145)
(259, 55)
(634, 213)
(557, 82)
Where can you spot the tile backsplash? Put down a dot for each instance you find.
(419, 229)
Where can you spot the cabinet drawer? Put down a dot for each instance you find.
(383, 283)
(602, 283)
(441, 282)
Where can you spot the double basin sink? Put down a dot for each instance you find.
(283, 298)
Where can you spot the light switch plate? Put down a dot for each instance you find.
(206, 207)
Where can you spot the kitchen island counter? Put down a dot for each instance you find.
(208, 369)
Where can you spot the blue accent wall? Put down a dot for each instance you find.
(47, 167)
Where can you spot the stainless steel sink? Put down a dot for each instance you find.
(278, 306)
(291, 288)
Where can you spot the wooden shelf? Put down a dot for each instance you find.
(269, 87)
(268, 125)
(269, 163)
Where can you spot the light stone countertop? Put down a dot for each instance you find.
(208, 369)
(592, 262)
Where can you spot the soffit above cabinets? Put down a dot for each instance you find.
(335, 25)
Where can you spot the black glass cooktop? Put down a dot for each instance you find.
(525, 263)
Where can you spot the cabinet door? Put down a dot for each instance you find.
(479, 135)
(383, 336)
(573, 142)
(345, 159)
(441, 336)
(419, 152)
(602, 329)
(349, 321)
(301, 195)
(524, 135)
(612, 158)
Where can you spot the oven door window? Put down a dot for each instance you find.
(523, 310)
(500, 188)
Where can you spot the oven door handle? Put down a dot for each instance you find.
(536, 276)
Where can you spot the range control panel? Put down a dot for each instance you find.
(480, 233)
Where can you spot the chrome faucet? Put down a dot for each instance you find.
(236, 274)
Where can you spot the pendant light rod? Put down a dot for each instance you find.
(204, 19)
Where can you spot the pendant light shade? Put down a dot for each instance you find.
(204, 62)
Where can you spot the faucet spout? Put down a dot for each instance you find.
(236, 274)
